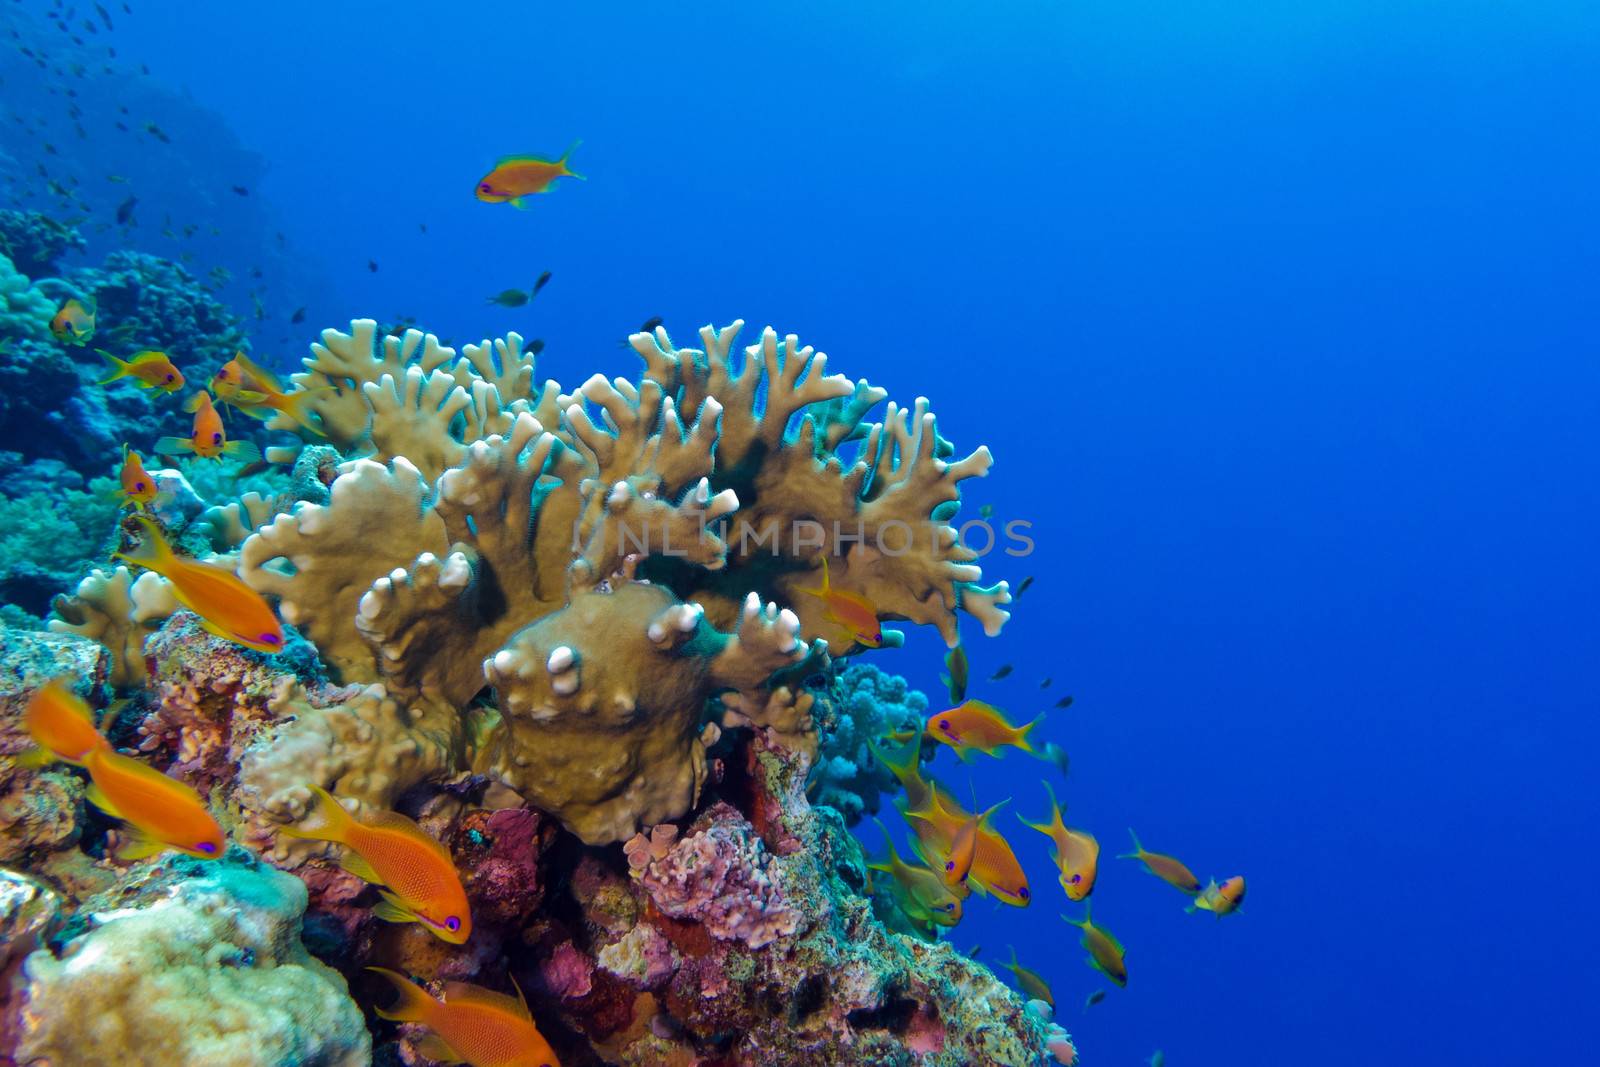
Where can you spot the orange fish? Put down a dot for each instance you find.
(388, 849)
(974, 726)
(164, 813)
(138, 488)
(207, 440)
(61, 725)
(470, 1025)
(994, 866)
(1167, 868)
(964, 848)
(226, 606)
(1221, 899)
(922, 893)
(73, 322)
(256, 391)
(1076, 854)
(150, 368)
(515, 177)
(851, 612)
(1106, 953)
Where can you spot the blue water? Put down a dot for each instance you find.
(1281, 321)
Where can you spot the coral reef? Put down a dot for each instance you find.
(45, 537)
(862, 704)
(25, 312)
(34, 242)
(568, 634)
(190, 962)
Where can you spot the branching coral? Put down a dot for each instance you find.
(577, 553)
(120, 611)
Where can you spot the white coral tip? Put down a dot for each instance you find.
(370, 605)
(752, 606)
(505, 661)
(456, 573)
(560, 659)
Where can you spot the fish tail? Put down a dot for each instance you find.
(1138, 849)
(1053, 753)
(567, 155)
(153, 553)
(1022, 734)
(414, 1005)
(122, 367)
(295, 406)
(326, 821)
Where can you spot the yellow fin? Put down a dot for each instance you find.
(34, 758)
(463, 993)
(98, 798)
(140, 847)
(357, 865)
(389, 909)
(437, 1048)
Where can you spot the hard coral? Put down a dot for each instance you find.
(502, 536)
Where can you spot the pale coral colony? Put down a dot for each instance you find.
(564, 631)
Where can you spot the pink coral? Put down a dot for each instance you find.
(724, 878)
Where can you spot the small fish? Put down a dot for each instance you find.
(974, 726)
(651, 324)
(423, 226)
(61, 725)
(389, 850)
(1028, 981)
(207, 440)
(1004, 672)
(535, 346)
(1023, 587)
(73, 323)
(241, 190)
(539, 283)
(516, 177)
(1167, 868)
(1075, 853)
(372, 265)
(1064, 702)
(1094, 998)
(260, 308)
(986, 511)
(105, 16)
(138, 488)
(995, 869)
(116, 179)
(1045, 684)
(1106, 953)
(1221, 899)
(955, 677)
(157, 132)
(255, 391)
(849, 611)
(163, 812)
(150, 368)
(298, 317)
(509, 298)
(471, 1025)
(1158, 1059)
(226, 606)
(924, 894)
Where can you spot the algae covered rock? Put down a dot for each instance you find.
(190, 962)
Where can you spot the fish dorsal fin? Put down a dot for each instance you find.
(463, 993)
(259, 373)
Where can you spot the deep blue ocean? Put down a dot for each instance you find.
(1281, 320)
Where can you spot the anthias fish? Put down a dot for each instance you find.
(516, 177)
(60, 724)
(1167, 868)
(151, 369)
(163, 812)
(1220, 900)
(1106, 954)
(1075, 853)
(471, 1025)
(73, 323)
(207, 439)
(138, 488)
(851, 612)
(387, 849)
(1028, 981)
(226, 606)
